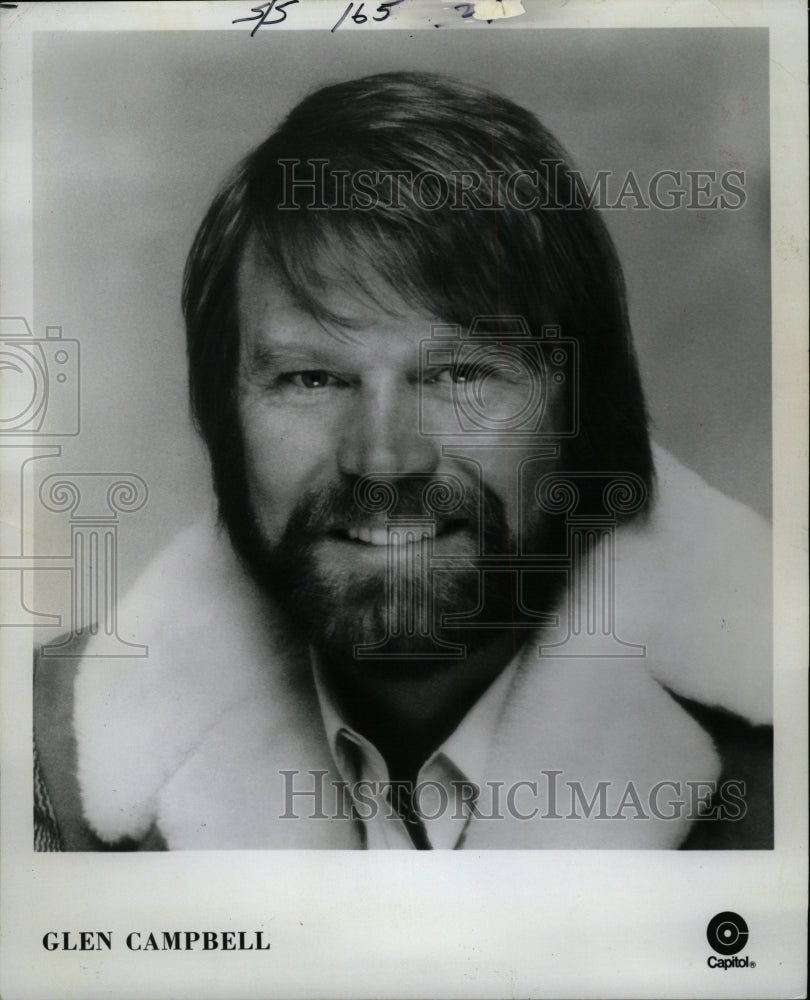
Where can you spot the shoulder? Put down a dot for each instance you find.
(694, 585)
(59, 822)
(740, 813)
(113, 732)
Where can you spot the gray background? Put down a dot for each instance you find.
(134, 131)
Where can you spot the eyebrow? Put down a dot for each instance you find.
(265, 357)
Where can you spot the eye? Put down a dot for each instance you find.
(463, 374)
(460, 374)
(314, 379)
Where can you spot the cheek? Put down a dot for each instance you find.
(284, 458)
(512, 475)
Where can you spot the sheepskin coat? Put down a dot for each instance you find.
(184, 748)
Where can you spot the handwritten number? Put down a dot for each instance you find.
(254, 10)
(385, 9)
(358, 16)
(280, 9)
(263, 12)
(343, 17)
(468, 9)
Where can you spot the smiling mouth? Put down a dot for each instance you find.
(410, 535)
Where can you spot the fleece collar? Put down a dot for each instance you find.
(195, 737)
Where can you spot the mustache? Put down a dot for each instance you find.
(375, 500)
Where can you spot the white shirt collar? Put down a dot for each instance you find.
(460, 759)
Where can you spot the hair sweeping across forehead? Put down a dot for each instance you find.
(553, 263)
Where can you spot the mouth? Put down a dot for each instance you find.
(392, 535)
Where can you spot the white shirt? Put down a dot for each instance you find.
(446, 784)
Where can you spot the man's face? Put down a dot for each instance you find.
(321, 407)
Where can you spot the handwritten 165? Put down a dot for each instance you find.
(383, 10)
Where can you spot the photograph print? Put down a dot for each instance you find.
(421, 492)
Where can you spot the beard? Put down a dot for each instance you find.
(428, 600)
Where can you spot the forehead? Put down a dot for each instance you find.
(361, 310)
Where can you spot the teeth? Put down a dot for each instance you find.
(380, 536)
(371, 536)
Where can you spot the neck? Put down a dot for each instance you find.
(408, 708)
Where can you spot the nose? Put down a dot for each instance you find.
(380, 433)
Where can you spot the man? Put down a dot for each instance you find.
(456, 598)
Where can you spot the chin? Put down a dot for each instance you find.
(357, 620)
(339, 597)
